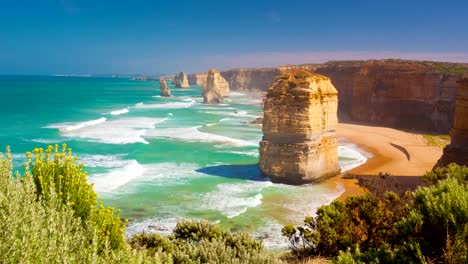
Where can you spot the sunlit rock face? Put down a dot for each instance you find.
(181, 81)
(197, 79)
(164, 89)
(300, 117)
(457, 150)
(212, 90)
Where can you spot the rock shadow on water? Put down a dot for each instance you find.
(244, 172)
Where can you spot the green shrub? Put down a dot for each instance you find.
(58, 171)
(428, 225)
(202, 242)
(38, 230)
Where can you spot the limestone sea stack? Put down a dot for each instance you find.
(164, 89)
(220, 82)
(181, 81)
(457, 150)
(212, 89)
(299, 140)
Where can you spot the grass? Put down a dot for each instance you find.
(439, 141)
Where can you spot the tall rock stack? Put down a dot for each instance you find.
(457, 150)
(300, 117)
(181, 81)
(212, 90)
(164, 90)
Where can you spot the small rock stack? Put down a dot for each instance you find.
(164, 90)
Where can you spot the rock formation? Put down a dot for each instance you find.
(219, 82)
(394, 93)
(300, 116)
(197, 79)
(251, 79)
(164, 89)
(181, 81)
(212, 89)
(457, 150)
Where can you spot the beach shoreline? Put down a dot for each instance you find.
(405, 155)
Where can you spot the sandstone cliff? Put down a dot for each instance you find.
(457, 150)
(250, 79)
(197, 78)
(300, 117)
(164, 89)
(212, 89)
(396, 93)
(181, 81)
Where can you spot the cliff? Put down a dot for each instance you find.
(197, 78)
(457, 150)
(250, 79)
(181, 81)
(300, 117)
(164, 89)
(396, 93)
(212, 89)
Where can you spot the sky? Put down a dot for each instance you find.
(158, 37)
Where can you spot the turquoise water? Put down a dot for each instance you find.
(161, 159)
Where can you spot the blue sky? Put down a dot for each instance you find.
(117, 36)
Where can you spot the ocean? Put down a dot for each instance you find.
(158, 159)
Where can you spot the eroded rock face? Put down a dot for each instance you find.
(181, 81)
(164, 89)
(197, 78)
(300, 117)
(396, 93)
(212, 89)
(251, 79)
(457, 150)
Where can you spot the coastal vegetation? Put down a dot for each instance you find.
(51, 214)
(429, 225)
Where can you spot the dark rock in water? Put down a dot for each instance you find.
(257, 121)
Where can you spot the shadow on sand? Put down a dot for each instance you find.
(244, 172)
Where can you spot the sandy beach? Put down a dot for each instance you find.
(402, 154)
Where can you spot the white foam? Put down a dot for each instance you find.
(126, 171)
(163, 226)
(120, 112)
(109, 182)
(233, 199)
(105, 161)
(194, 135)
(119, 131)
(47, 141)
(75, 126)
(354, 157)
(234, 113)
(252, 153)
(171, 105)
(236, 94)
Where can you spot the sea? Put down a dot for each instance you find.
(161, 160)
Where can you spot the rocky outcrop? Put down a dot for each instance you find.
(164, 89)
(300, 117)
(396, 93)
(457, 150)
(250, 79)
(212, 89)
(221, 84)
(181, 81)
(197, 78)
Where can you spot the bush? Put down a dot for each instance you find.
(38, 230)
(58, 171)
(428, 225)
(50, 214)
(202, 242)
